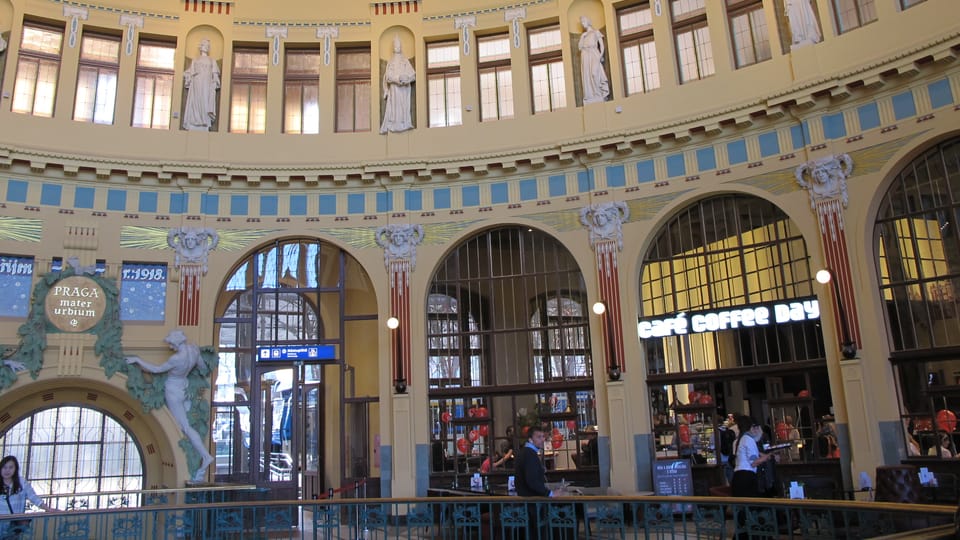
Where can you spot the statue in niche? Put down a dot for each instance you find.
(827, 178)
(202, 79)
(804, 29)
(596, 87)
(192, 245)
(185, 359)
(605, 221)
(397, 83)
(399, 241)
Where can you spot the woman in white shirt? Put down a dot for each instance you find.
(744, 483)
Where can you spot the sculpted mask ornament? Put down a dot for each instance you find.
(192, 245)
(826, 178)
(399, 241)
(605, 222)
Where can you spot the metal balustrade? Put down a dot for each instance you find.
(209, 514)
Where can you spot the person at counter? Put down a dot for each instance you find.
(748, 458)
(531, 479)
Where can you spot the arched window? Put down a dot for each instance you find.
(918, 260)
(72, 449)
(508, 347)
(731, 254)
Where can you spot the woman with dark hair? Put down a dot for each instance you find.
(16, 493)
(749, 457)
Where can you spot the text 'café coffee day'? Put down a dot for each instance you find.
(715, 320)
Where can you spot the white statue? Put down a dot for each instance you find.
(397, 81)
(804, 29)
(596, 87)
(605, 221)
(399, 241)
(192, 245)
(186, 358)
(828, 178)
(202, 80)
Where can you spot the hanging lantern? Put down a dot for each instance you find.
(483, 429)
(946, 420)
(557, 439)
(463, 445)
(445, 417)
(473, 435)
(572, 425)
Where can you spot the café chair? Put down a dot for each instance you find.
(898, 483)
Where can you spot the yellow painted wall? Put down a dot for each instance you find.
(900, 52)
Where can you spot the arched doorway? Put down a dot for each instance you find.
(285, 317)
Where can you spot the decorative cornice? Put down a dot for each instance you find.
(122, 11)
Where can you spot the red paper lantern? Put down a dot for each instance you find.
(557, 440)
(572, 425)
(482, 412)
(484, 430)
(473, 435)
(525, 431)
(472, 412)
(690, 417)
(694, 396)
(463, 445)
(445, 417)
(705, 399)
(946, 420)
(782, 434)
(684, 431)
(803, 393)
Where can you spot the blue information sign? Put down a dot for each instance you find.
(296, 352)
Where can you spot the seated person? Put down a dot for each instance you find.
(588, 450)
(496, 461)
(945, 448)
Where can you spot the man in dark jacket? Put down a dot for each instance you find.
(531, 478)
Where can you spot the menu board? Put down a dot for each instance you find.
(673, 477)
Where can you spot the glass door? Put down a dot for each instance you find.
(278, 448)
(312, 429)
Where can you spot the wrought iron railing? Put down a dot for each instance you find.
(483, 517)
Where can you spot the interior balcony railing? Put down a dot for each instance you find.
(588, 513)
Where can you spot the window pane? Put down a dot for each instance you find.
(153, 93)
(41, 40)
(443, 55)
(99, 49)
(36, 86)
(493, 48)
(156, 56)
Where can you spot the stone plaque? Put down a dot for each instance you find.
(75, 304)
